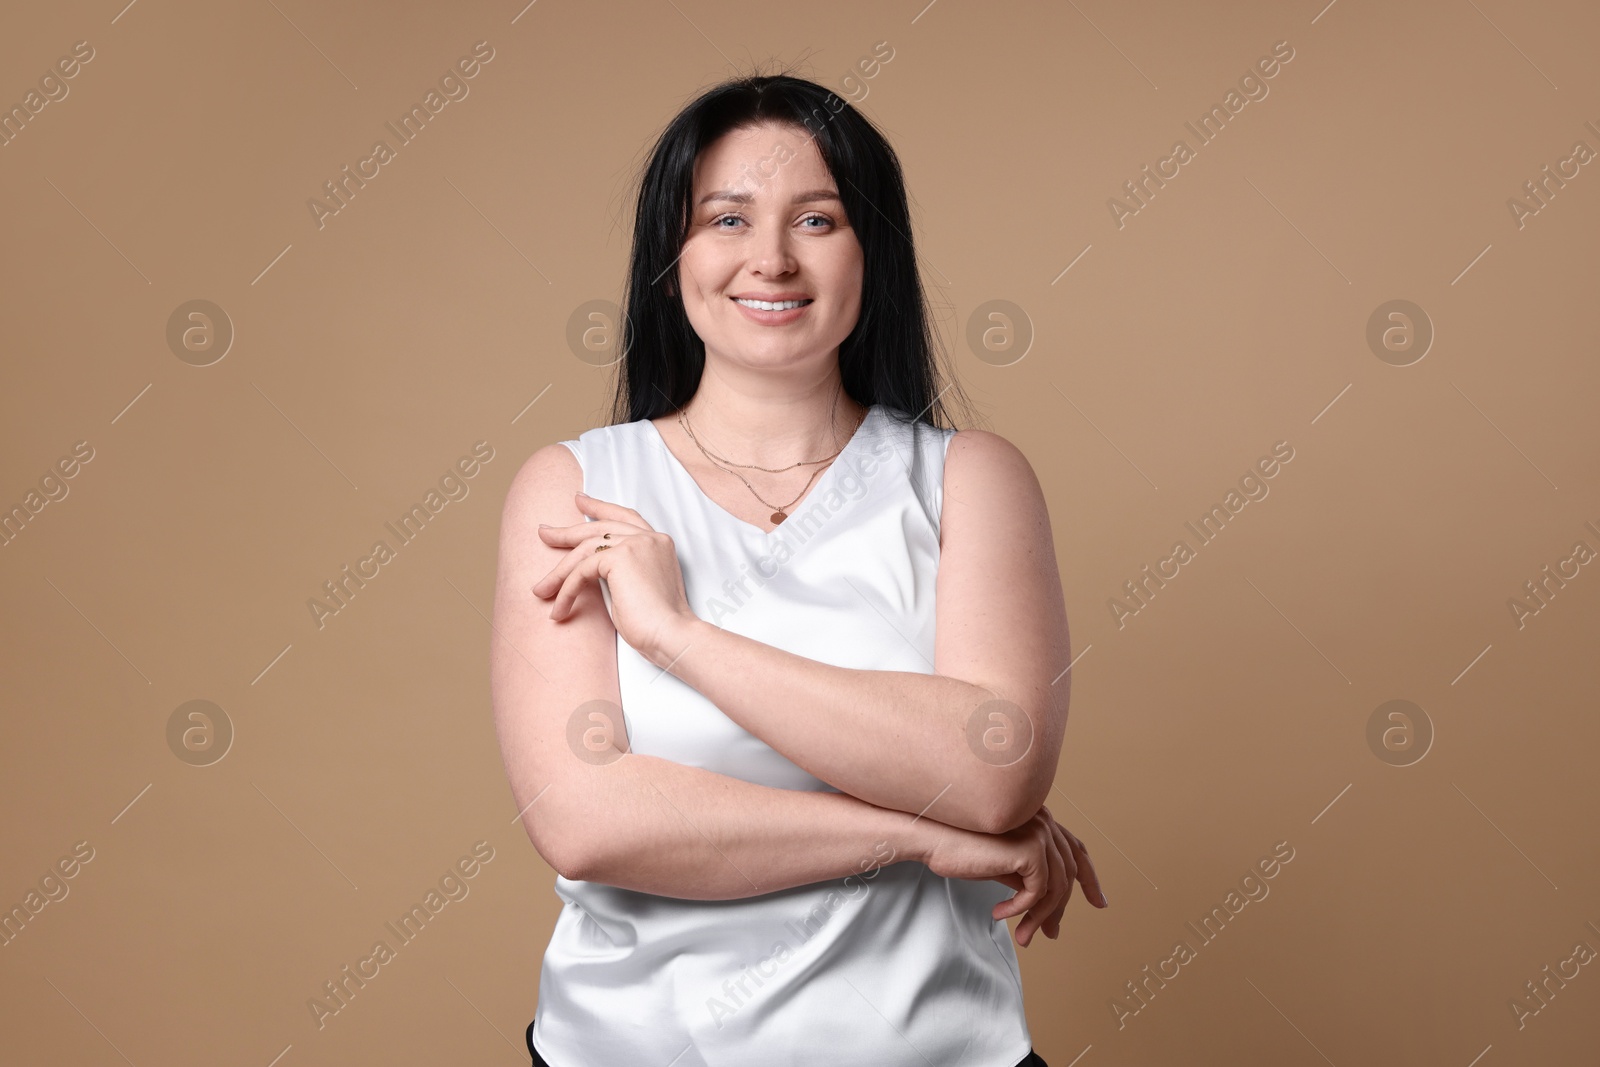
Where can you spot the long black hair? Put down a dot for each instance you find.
(888, 358)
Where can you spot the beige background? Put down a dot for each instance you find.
(1230, 313)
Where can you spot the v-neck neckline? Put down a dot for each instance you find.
(817, 487)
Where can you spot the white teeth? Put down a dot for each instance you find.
(771, 305)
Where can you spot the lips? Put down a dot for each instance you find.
(778, 315)
(797, 301)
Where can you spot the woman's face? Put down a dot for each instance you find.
(767, 223)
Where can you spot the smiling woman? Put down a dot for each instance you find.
(799, 836)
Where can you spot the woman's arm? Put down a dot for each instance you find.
(976, 743)
(640, 822)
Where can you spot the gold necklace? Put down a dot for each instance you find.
(779, 512)
(832, 412)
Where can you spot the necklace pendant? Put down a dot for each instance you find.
(778, 516)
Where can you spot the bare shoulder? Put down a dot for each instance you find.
(542, 489)
(982, 465)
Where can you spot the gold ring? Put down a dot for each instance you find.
(601, 548)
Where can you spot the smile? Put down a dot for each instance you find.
(772, 305)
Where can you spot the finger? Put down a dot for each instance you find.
(587, 569)
(552, 580)
(1034, 883)
(1087, 875)
(1044, 901)
(567, 536)
(1054, 901)
(1052, 926)
(605, 509)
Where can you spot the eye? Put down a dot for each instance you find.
(723, 218)
(817, 218)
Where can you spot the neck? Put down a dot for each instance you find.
(773, 428)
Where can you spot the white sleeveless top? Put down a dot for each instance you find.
(891, 966)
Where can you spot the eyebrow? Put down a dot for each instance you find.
(736, 197)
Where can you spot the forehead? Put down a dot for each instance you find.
(765, 159)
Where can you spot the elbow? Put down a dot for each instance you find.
(560, 852)
(1015, 805)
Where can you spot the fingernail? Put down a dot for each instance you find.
(585, 496)
(544, 526)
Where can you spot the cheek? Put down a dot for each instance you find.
(700, 269)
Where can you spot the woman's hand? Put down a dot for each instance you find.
(639, 564)
(1039, 859)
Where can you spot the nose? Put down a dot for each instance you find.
(772, 254)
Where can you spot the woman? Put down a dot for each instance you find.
(785, 795)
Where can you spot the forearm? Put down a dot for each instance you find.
(656, 826)
(896, 739)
